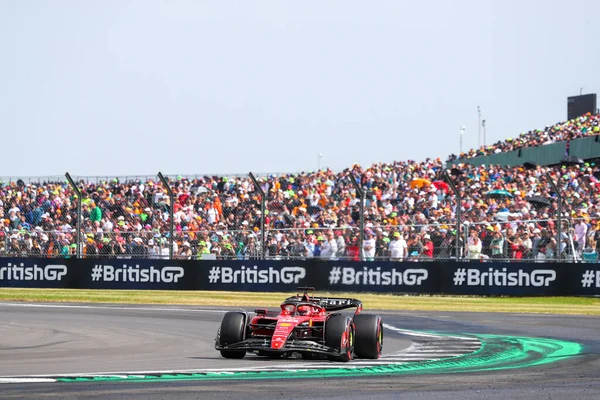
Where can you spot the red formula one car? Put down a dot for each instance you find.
(314, 327)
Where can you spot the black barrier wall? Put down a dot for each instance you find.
(516, 279)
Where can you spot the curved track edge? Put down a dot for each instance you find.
(495, 353)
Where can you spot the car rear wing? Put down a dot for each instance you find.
(336, 304)
(331, 303)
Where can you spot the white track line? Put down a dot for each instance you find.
(26, 380)
(31, 305)
(422, 334)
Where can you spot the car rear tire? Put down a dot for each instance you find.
(339, 335)
(368, 337)
(232, 331)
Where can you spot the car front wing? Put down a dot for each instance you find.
(264, 344)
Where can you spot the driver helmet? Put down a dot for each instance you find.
(304, 310)
(287, 309)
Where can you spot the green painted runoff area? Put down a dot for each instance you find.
(549, 305)
(496, 353)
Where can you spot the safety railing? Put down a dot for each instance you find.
(529, 241)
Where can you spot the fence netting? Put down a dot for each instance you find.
(301, 216)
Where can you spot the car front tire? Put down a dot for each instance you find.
(232, 331)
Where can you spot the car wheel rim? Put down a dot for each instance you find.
(350, 342)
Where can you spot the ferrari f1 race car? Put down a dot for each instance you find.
(314, 327)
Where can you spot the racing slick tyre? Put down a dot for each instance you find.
(368, 336)
(339, 335)
(232, 330)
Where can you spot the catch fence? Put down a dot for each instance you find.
(245, 217)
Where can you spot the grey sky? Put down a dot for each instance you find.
(133, 87)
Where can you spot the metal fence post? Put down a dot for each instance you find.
(559, 212)
(458, 214)
(78, 226)
(262, 214)
(361, 209)
(362, 224)
(172, 212)
(466, 237)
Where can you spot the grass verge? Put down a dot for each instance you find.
(548, 305)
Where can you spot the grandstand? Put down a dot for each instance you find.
(547, 146)
(410, 213)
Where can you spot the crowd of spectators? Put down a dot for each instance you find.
(409, 214)
(585, 125)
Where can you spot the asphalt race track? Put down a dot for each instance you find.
(78, 351)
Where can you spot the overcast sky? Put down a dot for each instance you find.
(191, 87)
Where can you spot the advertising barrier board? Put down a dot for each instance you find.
(463, 278)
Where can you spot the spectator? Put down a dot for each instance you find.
(153, 249)
(329, 246)
(119, 246)
(580, 231)
(369, 246)
(442, 251)
(487, 236)
(297, 249)
(545, 247)
(105, 250)
(415, 246)
(454, 251)
(317, 247)
(497, 245)
(138, 250)
(96, 213)
(353, 250)
(14, 248)
(427, 251)
(474, 246)
(398, 247)
(340, 244)
(527, 244)
(516, 246)
(203, 249)
(185, 252)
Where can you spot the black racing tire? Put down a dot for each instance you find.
(368, 337)
(339, 335)
(232, 331)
